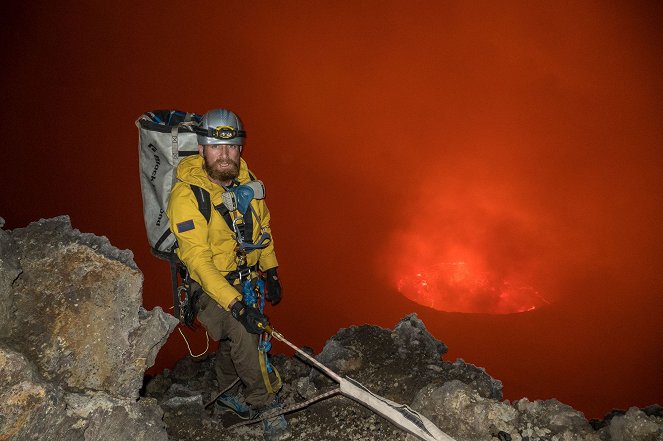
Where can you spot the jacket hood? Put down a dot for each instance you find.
(191, 171)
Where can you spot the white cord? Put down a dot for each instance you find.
(189, 347)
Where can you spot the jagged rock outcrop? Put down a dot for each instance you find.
(399, 363)
(468, 416)
(635, 424)
(74, 339)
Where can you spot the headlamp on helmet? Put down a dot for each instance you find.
(221, 126)
(225, 132)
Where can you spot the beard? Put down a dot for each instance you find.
(222, 169)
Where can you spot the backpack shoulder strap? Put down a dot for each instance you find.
(225, 214)
(204, 202)
(205, 205)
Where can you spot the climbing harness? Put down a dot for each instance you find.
(239, 214)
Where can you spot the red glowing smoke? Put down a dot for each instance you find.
(523, 140)
(469, 249)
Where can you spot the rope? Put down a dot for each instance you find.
(287, 409)
(189, 347)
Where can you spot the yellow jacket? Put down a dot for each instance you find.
(209, 249)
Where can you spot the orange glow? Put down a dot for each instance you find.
(468, 248)
(394, 139)
(458, 287)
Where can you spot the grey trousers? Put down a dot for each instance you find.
(238, 352)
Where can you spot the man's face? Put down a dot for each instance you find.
(221, 161)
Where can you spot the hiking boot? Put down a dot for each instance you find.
(274, 428)
(235, 404)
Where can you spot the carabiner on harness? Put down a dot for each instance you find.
(188, 301)
(253, 293)
(238, 233)
(264, 240)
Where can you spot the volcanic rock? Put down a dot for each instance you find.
(397, 364)
(404, 365)
(75, 343)
(75, 340)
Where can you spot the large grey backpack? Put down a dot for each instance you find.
(165, 136)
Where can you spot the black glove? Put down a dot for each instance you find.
(252, 319)
(273, 286)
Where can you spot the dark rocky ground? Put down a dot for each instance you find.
(75, 343)
(403, 365)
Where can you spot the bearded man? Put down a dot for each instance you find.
(215, 254)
